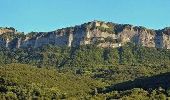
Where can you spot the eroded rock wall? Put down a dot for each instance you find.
(96, 32)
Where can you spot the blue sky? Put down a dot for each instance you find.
(48, 15)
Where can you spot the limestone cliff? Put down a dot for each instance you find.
(102, 34)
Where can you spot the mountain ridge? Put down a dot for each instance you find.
(100, 33)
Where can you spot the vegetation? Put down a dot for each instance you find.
(103, 29)
(25, 82)
(129, 72)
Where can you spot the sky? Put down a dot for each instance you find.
(49, 15)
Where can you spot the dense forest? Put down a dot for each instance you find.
(130, 72)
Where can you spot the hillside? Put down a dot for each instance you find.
(92, 61)
(25, 82)
(86, 72)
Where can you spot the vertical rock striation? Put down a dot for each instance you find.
(99, 33)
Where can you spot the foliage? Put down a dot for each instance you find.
(85, 72)
(24, 81)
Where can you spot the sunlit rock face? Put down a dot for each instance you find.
(7, 30)
(101, 34)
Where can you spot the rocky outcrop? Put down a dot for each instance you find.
(99, 33)
(7, 30)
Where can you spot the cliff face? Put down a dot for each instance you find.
(99, 33)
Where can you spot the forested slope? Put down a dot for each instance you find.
(84, 72)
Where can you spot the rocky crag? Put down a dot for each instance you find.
(102, 34)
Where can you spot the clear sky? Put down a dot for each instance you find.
(48, 15)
